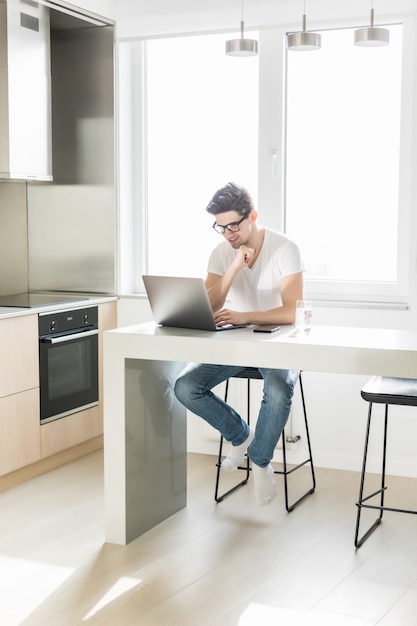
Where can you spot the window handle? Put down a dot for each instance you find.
(274, 163)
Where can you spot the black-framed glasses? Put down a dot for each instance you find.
(233, 226)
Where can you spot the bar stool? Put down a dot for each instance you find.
(249, 374)
(381, 390)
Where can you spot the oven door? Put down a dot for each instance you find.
(68, 371)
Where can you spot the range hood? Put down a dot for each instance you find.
(25, 91)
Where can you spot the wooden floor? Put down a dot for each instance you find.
(228, 564)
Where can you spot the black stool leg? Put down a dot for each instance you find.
(217, 497)
(360, 503)
(286, 472)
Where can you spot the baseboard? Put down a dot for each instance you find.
(51, 462)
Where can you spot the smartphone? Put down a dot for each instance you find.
(267, 328)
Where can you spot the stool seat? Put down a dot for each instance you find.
(252, 373)
(386, 391)
(249, 372)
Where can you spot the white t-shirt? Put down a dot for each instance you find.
(259, 288)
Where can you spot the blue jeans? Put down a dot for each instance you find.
(193, 389)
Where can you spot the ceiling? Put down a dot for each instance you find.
(144, 18)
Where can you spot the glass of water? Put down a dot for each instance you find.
(303, 315)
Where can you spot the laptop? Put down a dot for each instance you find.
(182, 302)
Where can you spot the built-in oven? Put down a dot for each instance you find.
(68, 362)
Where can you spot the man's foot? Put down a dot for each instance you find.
(264, 483)
(236, 456)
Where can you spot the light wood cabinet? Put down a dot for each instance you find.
(69, 431)
(19, 430)
(19, 368)
(107, 320)
(23, 441)
(19, 393)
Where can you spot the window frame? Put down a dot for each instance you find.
(271, 169)
(272, 176)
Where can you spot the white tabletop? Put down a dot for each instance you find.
(348, 350)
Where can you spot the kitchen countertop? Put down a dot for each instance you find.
(79, 301)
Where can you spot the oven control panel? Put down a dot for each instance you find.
(65, 321)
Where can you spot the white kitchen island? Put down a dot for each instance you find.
(145, 426)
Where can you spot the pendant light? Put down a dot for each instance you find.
(371, 37)
(303, 40)
(242, 47)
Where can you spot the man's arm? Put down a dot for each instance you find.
(291, 291)
(218, 286)
(217, 290)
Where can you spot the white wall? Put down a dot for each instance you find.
(336, 411)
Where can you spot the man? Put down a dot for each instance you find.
(261, 272)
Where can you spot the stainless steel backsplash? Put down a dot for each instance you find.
(57, 238)
(14, 277)
(72, 238)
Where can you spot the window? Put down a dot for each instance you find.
(320, 139)
(202, 122)
(342, 163)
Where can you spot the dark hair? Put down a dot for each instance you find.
(231, 197)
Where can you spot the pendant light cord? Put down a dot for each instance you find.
(242, 25)
(304, 24)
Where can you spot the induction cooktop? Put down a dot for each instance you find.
(29, 300)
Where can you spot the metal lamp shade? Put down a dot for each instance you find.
(371, 37)
(304, 41)
(241, 47)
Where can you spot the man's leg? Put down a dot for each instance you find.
(273, 415)
(193, 389)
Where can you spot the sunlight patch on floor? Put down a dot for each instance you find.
(37, 580)
(123, 585)
(256, 614)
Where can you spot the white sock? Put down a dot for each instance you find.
(264, 483)
(236, 455)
